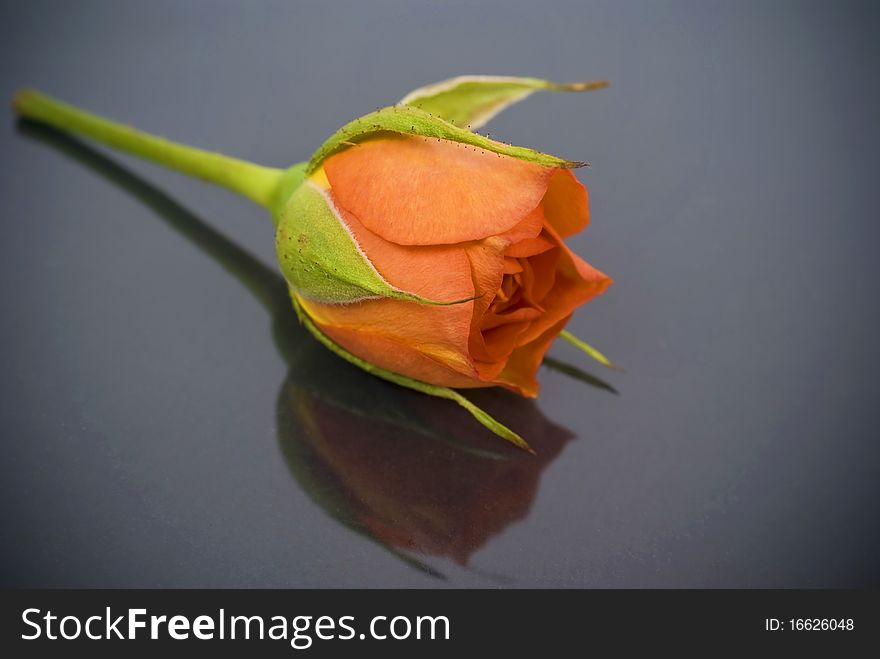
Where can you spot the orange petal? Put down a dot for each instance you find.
(530, 247)
(437, 272)
(528, 227)
(419, 191)
(565, 204)
(487, 270)
(490, 349)
(493, 320)
(512, 266)
(520, 372)
(498, 342)
(435, 364)
(576, 283)
(543, 267)
(440, 334)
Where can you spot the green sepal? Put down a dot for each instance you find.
(586, 348)
(320, 258)
(406, 120)
(432, 390)
(472, 101)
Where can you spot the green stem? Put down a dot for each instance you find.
(253, 181)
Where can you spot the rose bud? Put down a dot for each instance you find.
(422, 252)
(393, 465)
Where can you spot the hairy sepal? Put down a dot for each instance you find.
(472, 101)
(406, 120)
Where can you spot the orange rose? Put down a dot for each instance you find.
(449, 221)
(418, 250)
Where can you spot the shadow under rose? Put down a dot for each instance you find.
(406, 470)
(414, 473)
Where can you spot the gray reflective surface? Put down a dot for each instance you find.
(165, 422)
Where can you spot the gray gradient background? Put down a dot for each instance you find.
(734, 199)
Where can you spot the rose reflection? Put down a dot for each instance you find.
(404, 469)
(414, 473)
